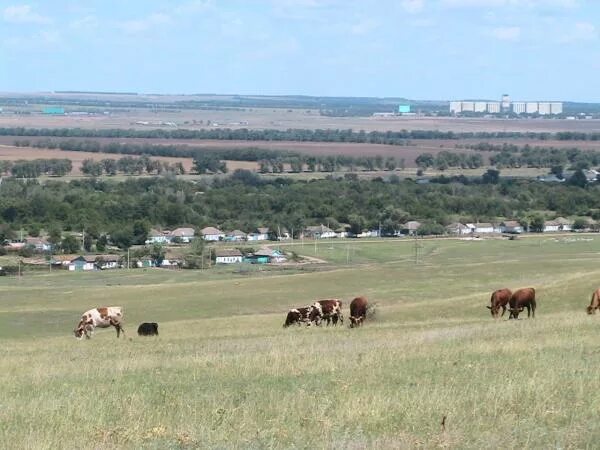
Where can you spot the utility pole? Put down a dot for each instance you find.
(127, 258)
(416, 249)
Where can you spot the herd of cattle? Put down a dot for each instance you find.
(328, 311)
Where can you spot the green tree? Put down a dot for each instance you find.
(70, 244)
(536, 224)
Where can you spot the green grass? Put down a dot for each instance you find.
(225, 374)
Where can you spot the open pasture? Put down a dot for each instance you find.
(224, 373)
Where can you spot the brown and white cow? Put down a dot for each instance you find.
(499, 299)
(328, 310)
(104, 317)
(594, 303)
(298, 316)
(358, 311)
(521, 299)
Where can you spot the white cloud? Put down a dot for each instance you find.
(581, 31)
(516, 3)
(506, 33)
(145, 23)
(413, 6)
(193, 6)
(23, 14)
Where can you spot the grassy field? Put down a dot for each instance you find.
(224, 374)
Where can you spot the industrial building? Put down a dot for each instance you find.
(506, 106)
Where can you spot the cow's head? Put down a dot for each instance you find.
(514, 312)
(355, 321)
(591, 310)
(79, 331)
(494, 310)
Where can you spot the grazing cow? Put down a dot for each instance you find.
(148, 329)
(499, 300)
(298, 315)
(328, 310)
(358, 311)
(107, 316)
(521, 299)
(595, 303)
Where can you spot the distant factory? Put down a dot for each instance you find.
(506, 106)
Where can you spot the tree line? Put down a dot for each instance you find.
(511, 155)
(292, 134)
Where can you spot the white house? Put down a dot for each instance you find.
(107, 261)
(158, 237)
(260, 234)
(185, 234)
(212, 234)
(319, 232)
(458, 228)
(40, 245)
(558, 224)
(236, 236)
(511, 226)
(228, 256)
(482, 227)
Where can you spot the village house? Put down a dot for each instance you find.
(319, 232)
(483, 228)
(158, 237)
(212, 234)
(183, 234)
(235, 236)
(82, 263)
(38, 244)
(458, 229)
(104, 262)
(265, 256)
(558, 224)
(511, 226)
(228, 256)
(410, 227)
(259, 234)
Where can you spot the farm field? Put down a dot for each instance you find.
(224, 373)
(282, 118)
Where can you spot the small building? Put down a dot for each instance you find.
(259, 234)
(53, 110)
(483, 227)
(236, 236)
(228, 256)
(184, 234)
(557, 225)
(104, 262)
(411, 227)
(158, 237)
(511, 226)
(82, 263)
(458, 229)
(40, 245)
(319, 232)
(265, 256)
(212, 234)
(145, 262)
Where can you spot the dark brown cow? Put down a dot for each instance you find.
(298, 315)
(358, 311)
(595, 303)
(521, 299)
(499, 300)
(328, 310)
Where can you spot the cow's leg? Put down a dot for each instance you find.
(503, 310)
(341, 319)
(118, 327)
(533, 305)
(528, 311)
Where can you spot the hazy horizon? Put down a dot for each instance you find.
(436, 50)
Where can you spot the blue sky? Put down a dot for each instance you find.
(419, 49)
